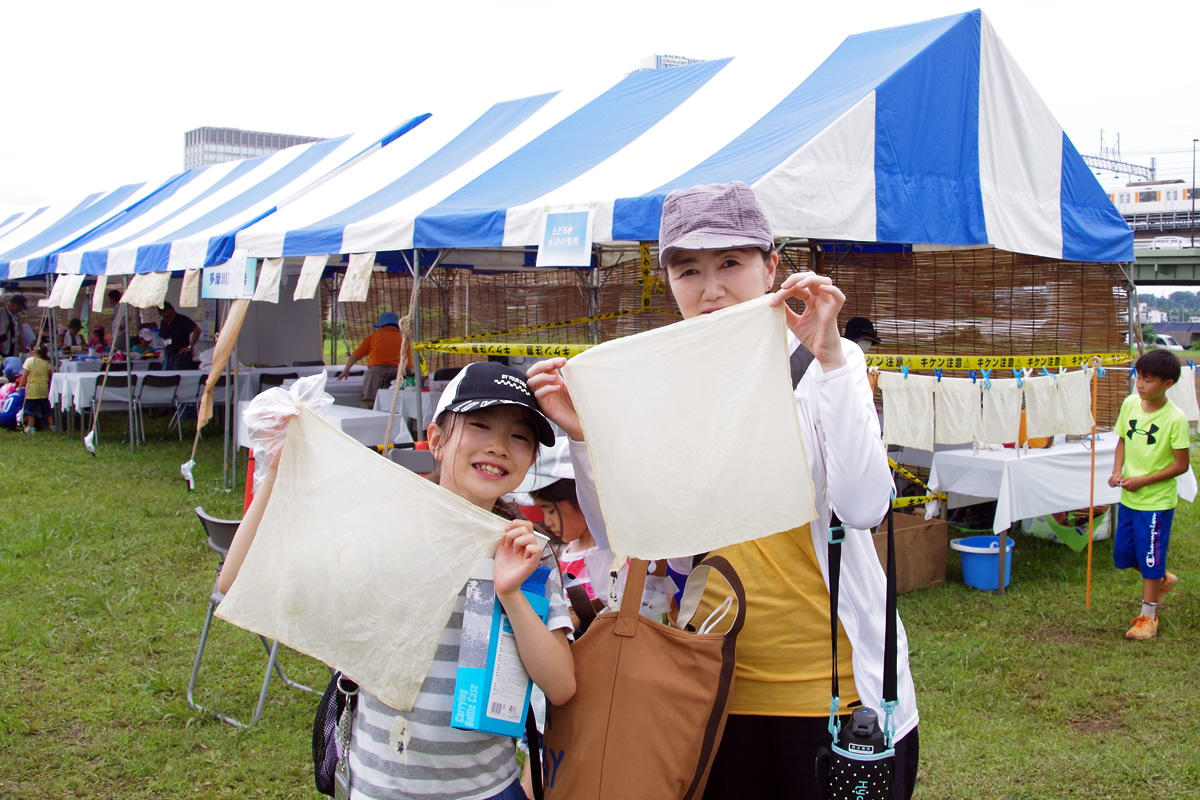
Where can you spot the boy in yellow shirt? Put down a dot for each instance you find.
(1151, 451)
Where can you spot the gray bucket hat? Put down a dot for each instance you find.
(721, 216)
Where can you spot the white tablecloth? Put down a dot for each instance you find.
(407, 407)
(1033, 484)
(344, 393)
(368, 427)
(75, 389)
(98, 366)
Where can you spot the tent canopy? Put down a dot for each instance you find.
(923, 134)
(187, 221)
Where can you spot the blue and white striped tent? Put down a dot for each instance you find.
(924, 134)
(186, 221)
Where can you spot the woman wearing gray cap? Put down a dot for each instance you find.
(717, 250)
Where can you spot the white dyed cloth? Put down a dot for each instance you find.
(958, 409)
(365, 586)
(1001, 412)
(907, 409)
(358, 278)
(1043, 413)
(692, 433)
(1183, 394)
(1075, 400)
(267, 289)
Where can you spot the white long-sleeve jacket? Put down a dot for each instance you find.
(849, 468)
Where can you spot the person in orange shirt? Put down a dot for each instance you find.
(382, 351)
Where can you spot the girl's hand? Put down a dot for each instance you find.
(816, 327)
(553, 397)
(517, 556)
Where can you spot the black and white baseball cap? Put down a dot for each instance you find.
(489, 383)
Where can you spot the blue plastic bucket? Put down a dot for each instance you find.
(980, 556)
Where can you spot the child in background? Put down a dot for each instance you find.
(485, 436)
(97, 339)
(564, 519)
(1152, 449)
(35, 377)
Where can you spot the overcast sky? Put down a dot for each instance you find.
(97, 95)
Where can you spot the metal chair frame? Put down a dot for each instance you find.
(158, 382)
(127, 398)
(220, 534)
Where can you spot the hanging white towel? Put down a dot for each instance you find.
(1183, 394)
(1043, 414)
(310, 277)
(1001, 412)
(189, 292)
(958, 410)
(907, 409)
(1075, 401)
(358, 278)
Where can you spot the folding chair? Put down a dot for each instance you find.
(419, 461)
(308, 363)
(269, 379)
(119, 395)
(220, 535)
(158, 391)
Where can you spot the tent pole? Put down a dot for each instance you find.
(112, 351)
(418, 378)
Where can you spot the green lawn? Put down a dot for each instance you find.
(104, 579)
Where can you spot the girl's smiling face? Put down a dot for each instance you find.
(703, 281)
(485, 454)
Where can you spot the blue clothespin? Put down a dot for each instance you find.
(987, 379)
(1018, 374)
(904, 371)
(937, 373)
(1048, 374)
(973, 374)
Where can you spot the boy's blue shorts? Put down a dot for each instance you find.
(1141, 540)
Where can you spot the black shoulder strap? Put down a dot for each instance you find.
(535, 752)
(800, 359)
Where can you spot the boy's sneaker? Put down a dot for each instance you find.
(29, 430)
(1143, 628)
(1168, 583)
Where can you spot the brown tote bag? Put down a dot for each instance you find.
(651, 700)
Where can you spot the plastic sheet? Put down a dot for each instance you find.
(268, 414)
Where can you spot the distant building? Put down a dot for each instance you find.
(664, 62)
(206, 146)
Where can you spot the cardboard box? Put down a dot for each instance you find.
(921, 549)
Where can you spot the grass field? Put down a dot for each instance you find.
(104, 579)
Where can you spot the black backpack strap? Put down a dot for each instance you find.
(535, 753)
(582, 605)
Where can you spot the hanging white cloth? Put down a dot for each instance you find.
(358, 278)
(958, 410)
(1075, 401)
(310, 277)
(364, 586)
(1043, 414)
(147, 290)
(907, 409)
(98, 293)
(268, 281)
(1001, 412)
(189, 292)
(1183, 394)
(693, 434)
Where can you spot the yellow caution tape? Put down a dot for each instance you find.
(992, 362)
(531, 328)
(904, 502)
(503, 349)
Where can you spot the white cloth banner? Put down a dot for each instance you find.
(98, 293)
(693, 434)
(364, 586)
(358, 278)
(56, 293)
(189, 292)
(1001, 412)
(958, 406)
(147, 290)
(268, 281)
(310, 277)
(1183, 394)
(907, 409)
(1075, 400)
(71, 284)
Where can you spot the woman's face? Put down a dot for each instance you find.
(704, 281)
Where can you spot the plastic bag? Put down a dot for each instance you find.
(269, 413)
